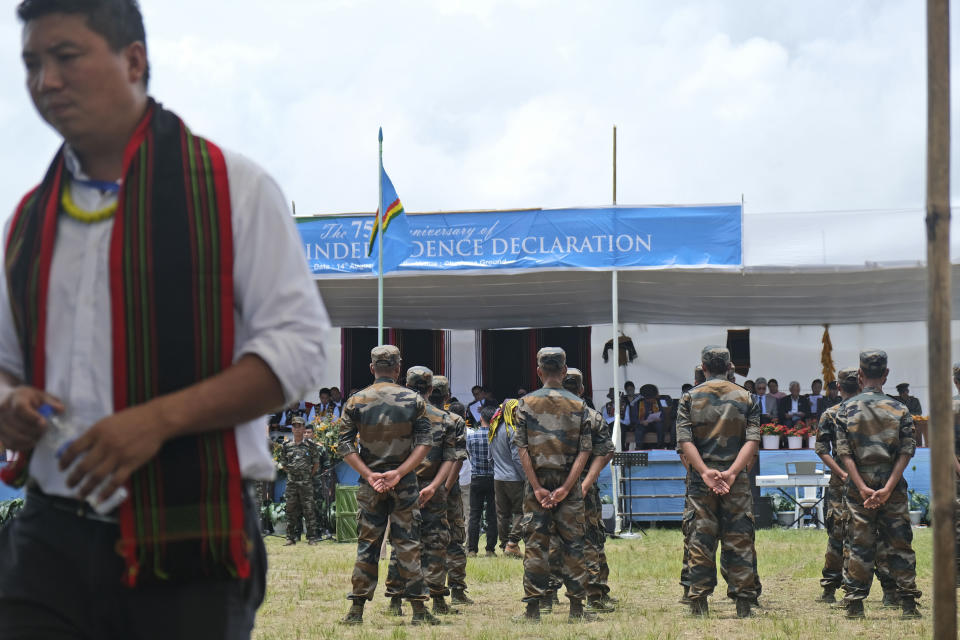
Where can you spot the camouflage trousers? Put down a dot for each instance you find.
(434, 540)
(300, 504)
(508, 495)
(685, 526)
(456, 553)
(726, 520)
(837, 550)
(837, 558)
(594, 538)
(889, 523)
(259, 492)
(399, 506)
(566, 521)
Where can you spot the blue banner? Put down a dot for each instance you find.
(603, 238)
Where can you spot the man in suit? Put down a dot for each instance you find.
(815, 399)
(794, 407)
(769, 406)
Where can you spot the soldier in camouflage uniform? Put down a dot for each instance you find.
(595, 558)
(553, 436)
(875, 441)
(384, 436)
(836, 514)
(718, 427)
(298, 458)
(456, 565)
(431, 478)
(698, 378)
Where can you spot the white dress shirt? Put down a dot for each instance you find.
(278, 313)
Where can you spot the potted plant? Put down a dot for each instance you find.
(770, 435)
(808, 434)
(919, 507)
(784, 510)
(794, 437)
(278, 516)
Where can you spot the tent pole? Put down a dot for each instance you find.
(615, 307)
(942, 460)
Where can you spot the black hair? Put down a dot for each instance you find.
(458, 408)
(487, 412)
(686, 387)
(850, 386)
(324, 391)
(119, 22)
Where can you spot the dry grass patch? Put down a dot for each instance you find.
(307, 588)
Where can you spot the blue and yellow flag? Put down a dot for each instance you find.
(391, 207)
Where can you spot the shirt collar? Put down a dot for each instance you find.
(78, 175)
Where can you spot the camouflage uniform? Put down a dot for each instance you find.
(874, 430)
(837, 513)
(383, 424)
(456, 565)
(719, 418)
(299, 461)
(595, 558)
(434, 528)
(554, 427)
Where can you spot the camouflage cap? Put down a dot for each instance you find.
(574, 374)
(298, 420)
(386, 355)
(419, 378)
(573, 381)
(551, 358)
(441, 384)
(847, 375)
(715, 358)
(873, 361)
(956, 370)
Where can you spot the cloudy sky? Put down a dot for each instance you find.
(800, 106)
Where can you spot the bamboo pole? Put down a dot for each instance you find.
(942, 474)
(615, 320)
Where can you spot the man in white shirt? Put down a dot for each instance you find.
(124, 186)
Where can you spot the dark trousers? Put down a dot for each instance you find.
(482, 502)
(61, 580)
(509, 501)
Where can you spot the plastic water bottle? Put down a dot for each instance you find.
(61, 433)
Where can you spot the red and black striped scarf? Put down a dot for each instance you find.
(171, 296)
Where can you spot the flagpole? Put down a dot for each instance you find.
(380, 215)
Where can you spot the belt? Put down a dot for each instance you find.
(78, 508)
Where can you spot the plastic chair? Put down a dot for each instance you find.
(807, 501)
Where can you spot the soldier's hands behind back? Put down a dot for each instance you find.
(426, 494)
(559, 495)
(714, 481)
(21, 427)
(543, 497)
(879, 497)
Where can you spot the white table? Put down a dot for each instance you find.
(779, 482)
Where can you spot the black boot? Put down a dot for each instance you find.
(855, 609)
(909, 606)
(829, 595)
(396, 606)
(597, 605)
(699, 607)
(532, 614)
(686, 595)
(577, 614)
(355, 615)
(421, 616)
(743, 607)
(546, 602)
(459, 596)
(890, 600)
(441, 608)
(608, 599)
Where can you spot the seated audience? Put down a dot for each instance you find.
(769, 405)
(794, 407)
(815, 399)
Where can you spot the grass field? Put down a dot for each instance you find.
(307, 588)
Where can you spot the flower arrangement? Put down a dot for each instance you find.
(326, 433)
(803, 430)
(772, 429)
(277, 446)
